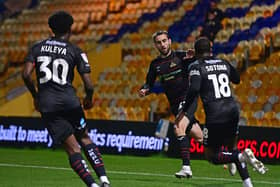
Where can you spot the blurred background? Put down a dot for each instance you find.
(116, 34)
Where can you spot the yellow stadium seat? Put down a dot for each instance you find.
(256, 51)
(242, 47)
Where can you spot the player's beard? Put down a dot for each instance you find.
(165, 52)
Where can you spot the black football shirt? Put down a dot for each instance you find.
(172, 74)
(210, 78)
(55, 61)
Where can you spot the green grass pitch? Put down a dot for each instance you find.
(49, 168)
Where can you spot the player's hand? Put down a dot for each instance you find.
(189, 54)
(87, 103)
(143, 92)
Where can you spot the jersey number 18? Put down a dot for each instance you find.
(220, 84)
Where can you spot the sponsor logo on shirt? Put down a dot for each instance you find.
(82, 123)
(194, 72)
(213, 61)
(158, 68)
(172, 64)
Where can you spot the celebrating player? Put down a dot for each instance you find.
(170, 66)
(210, 78)
(54, 60)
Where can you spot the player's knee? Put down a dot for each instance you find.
(71, 145)
(85, 140)
(199, 138)
(72, 150)
(196, 133)
(178, 131)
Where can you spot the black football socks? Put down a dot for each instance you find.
(95, 159)
(184, 144)
(79, 165)
(225, 157)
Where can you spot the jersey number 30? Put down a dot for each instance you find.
(221, 85)
(53, 73)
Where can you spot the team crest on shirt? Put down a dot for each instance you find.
(158, 68)
(194, 72)
(172, 64)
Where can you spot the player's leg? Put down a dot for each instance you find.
(184, 144)
(216, 157)
(185, 129)
(196, 133)
(77, 162)
(62, 132)
(232, 166)
(241, 167)
(193, 129)
(249, 157)
(215, 137)
(94, 157)
(244, 174)
(216, 154)
(91, 151)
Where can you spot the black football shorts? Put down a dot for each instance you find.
(62, 124)
(175, 110)
(176, 107)
(217, 135)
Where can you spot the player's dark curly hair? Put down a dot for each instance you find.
(60, 22)
(202, 45)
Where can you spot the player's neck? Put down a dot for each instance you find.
(64, 37)
(167, 55)
(203, 55)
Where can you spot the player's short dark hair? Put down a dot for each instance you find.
(160, 33)
(60, 22)
(202, 45)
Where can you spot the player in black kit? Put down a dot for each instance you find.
(54, 60)
(210, 78)
(170, 66)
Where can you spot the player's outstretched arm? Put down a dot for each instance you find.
(150, 80)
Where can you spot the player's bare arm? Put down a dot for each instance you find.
(27, 78)
(26, 75)
(150, 80)
(87, 101)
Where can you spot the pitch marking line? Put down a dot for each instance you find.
(135, 173)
